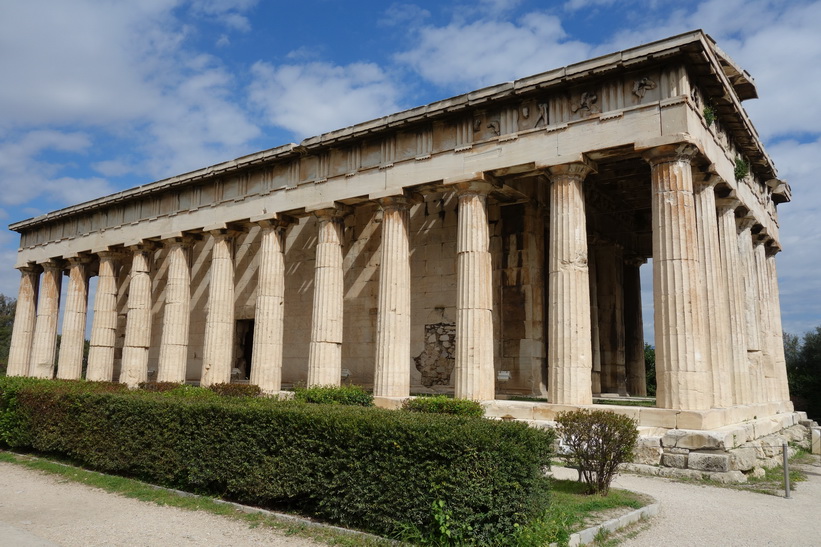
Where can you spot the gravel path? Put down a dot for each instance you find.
(692, 514)
(37, 509)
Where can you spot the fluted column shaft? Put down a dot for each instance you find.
(684, 381)
(765, 318)
(634, 330)
(776, 332)
(751, 308)
(138, 320)
(473, 369)
(218, 352)
(569, 356)
(72, 341)
(177, 313)
(733, 276)
(595, 339)
(25, 318)
(44, 345)
(717, 307)
(325, 355)
(392, 370)
(104, 322)
(610, 284)
(269, 321)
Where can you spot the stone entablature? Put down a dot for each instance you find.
(656, 91)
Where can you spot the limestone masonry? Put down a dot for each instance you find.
(485, 245)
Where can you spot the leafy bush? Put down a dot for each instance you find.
(236, 390)
(159, 386)
(398, 474)
(597, 442)
(334, 395)
(742, 169)
(441, 404)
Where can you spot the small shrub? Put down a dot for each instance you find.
(440, 404)
(709, 115)
(742, 169)
(334, 395)
(236, 390)
(597, 442)
(158, 386)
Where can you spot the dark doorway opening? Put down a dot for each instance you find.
(243, 351)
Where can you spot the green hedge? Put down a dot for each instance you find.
(442, 404)
(334, 395)
(398, 474)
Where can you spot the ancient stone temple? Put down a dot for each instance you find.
(485, 245)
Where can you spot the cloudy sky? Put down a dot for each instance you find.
(99, 95)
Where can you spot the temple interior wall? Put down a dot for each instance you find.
(517, 247)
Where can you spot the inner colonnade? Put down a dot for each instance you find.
(485, 245)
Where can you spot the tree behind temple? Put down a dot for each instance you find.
(804, 371)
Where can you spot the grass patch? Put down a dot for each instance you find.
(141, 491)
(572, 510)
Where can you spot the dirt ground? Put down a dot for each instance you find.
(39, 510)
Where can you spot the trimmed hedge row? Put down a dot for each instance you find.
(441, 404)
(398, 474)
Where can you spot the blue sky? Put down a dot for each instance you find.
(99, 95)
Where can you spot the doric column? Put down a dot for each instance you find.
(325, 355)
(734, 282)
(177, 313)
(569, 358)
(595, 340)
(717, 307)
(610, 283)
(44, 345)
(269, 320)
(684, 382)
(72, 341)
(776, 332)
(751, 307)
(392, 371)
(138, 321)
(25, 317)
(634, 329)
(473, 369)
(218, 352)
(768, 369)
(104, 322)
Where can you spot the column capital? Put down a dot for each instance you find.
(634, 260)
(111, 254)
(224, 230)
(78, 259)
(746, 222)
(705, 180)
(773, 248)
(727, 204)
(401, 202)
(335, 211)
(186, 239)
(30, 268)
(54, 264)
(143, 246)
(274, 220)
(666, 153)
(472, 183)
(577, 169)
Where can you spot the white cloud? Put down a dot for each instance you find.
(489, 51)
(316, 97)
(403, 14)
